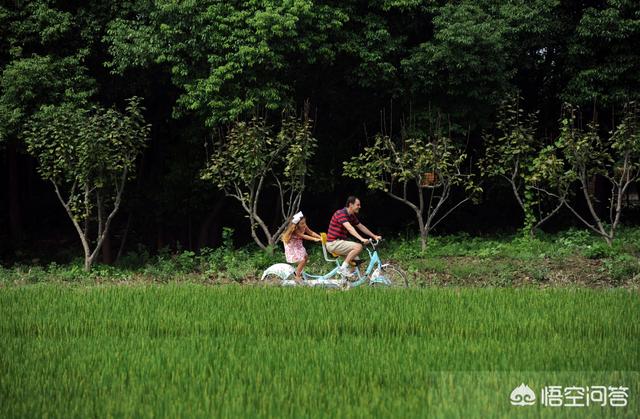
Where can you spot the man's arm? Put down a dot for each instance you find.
(353, 231)
(368, 232)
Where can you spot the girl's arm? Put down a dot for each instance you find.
(307, 237)
(312, 233)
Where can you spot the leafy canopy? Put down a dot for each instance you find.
(86, 148)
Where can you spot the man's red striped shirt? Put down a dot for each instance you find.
(336, 225)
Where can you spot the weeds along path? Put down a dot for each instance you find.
(196, 351)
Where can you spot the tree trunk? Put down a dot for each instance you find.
(206, 227)
(89, 261)
(123, 241)
(15, 214)
(424, 236)
(160, 234)
(423, 231)
(271, 246)
(107, 257)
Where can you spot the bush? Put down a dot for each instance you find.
(574, 238)
(622, 267)
(135, 258)
(598, 250)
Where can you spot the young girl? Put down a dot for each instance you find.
(292, 237)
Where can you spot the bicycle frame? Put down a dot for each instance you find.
(375, 264)
(327, 280)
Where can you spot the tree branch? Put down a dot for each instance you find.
(449, 212)
(403, 200)
(582, 219)
(86, 210)
(592, 210)
(116, 207)
(100, 220)
(281, 194)
(542, 221)
(255, 215)
(83, 239)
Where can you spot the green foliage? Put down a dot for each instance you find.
(252, 158)
(220, 62)
(28, 83)
(598, 251)
(251, 152)
(386, 164)
(90, 154)
(622, 267)
(604, 56)
(248, 153)
(229, 58)
(464, 65)
(625, 143)
(86, 148)
(394, 168)
(44, 54)
(583, 150)
(579, 155)
(39, 23)
(509, 152)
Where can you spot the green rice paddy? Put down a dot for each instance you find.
(239, 351)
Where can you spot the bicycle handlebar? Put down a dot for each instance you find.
(373, 243)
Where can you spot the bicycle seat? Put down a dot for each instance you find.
(323, 239)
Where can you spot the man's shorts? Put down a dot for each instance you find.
(341, 247)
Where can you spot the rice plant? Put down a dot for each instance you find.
(236, 351)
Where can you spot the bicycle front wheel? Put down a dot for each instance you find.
(394, 277)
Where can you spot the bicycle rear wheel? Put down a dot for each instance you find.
(271, 280)
(277, 274)
(394, 277)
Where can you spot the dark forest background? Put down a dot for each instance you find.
(366, 67)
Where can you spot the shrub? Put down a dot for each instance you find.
(622, 267)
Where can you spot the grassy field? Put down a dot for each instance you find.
(237, 351)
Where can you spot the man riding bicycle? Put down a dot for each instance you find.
(344, 222)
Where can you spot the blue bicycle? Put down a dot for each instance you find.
(376, 273)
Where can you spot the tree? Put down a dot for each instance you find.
(509, 154)
(463, 69)
(579, 155)
(400, 170)
(604, 61)
(252, 159)
(40, 63)
(87, 155)
(227, 57)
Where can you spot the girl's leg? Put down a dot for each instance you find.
(300, 267)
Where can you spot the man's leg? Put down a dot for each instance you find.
(346, 248)
(355, 251)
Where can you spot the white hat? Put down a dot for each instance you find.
(297, 217)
